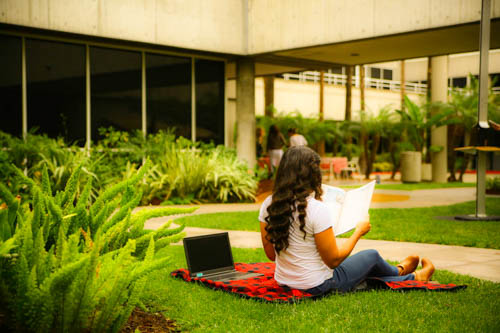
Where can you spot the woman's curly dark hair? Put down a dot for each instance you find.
(298, 176)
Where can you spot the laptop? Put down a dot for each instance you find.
(210, 257)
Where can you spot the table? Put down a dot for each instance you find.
(472, 149)
(334, 165)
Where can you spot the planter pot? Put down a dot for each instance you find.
(494, 191)
(411, 166)
(426, 172)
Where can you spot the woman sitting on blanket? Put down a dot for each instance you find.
(297, 233)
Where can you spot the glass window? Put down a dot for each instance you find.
(115, 83)
(459, 82)
(387, 74)
(495, 80)
(375, 73)
(209, 101)
(56, 89)
(10, 85)
(337, 70)
(168, 94)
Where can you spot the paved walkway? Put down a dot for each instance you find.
(480, 263)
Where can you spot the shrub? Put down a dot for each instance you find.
(493, 184)
(67, 264)
(180, 168)
(382, 166)
(209, 174)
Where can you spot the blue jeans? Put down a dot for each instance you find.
(355, 269)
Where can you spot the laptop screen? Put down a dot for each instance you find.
(208, 252)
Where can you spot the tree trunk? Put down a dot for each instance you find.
(321, 143)
(466, 156)
(457, 132)
(429, 74)
(373, 155)
(348, 93)
(334, 146)
(364, 142)
(347, 117)
(362, 86)
(392, 154)
(402, 85)
(269, 95)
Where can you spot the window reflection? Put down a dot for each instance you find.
(56, 89)
(168, 94)
(209, 101)
(10, 85)
(115, 89)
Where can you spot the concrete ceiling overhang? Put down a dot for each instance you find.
(432, 42)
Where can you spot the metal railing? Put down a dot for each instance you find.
(341, 79)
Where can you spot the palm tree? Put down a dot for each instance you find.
(311, 128)
(373, 129)
(462, 109)
(394, 133)
(417, 121)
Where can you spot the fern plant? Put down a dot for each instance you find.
(67, 264)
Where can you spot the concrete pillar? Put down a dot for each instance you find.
(245, 110)
(439, 93)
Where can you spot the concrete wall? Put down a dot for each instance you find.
(299, 23)
(262, 69)
(292, 96)
(240, 26)
(459, 65)
(463, 64)
(215, 25)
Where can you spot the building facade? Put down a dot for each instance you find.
(153, 64)
(71, 87)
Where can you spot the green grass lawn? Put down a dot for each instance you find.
(416, 186)
(396, 224)
(197, 308)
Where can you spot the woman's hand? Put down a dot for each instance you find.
(332, 254)
(363, 227)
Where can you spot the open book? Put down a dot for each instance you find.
(347, 207)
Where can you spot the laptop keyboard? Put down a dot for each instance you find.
(233, 275)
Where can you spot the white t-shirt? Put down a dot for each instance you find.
(300, 266)
(297, 140)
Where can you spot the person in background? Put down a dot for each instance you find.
(275, 143)
(296, 139)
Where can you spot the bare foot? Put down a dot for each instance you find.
(426, 272)
(408, 265)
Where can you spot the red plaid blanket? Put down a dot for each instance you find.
(265, 288)
(412, 285)
(262, 287)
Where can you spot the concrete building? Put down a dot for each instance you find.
(149, 64)
(300, 91)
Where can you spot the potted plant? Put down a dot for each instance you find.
(417, 122)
